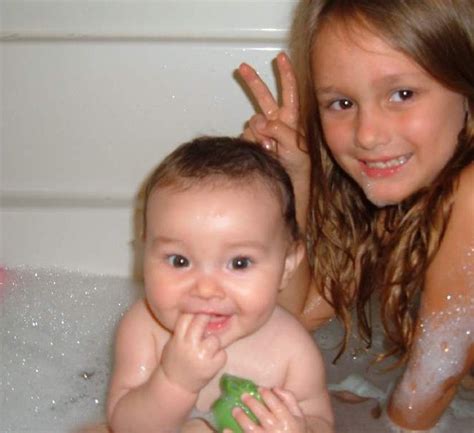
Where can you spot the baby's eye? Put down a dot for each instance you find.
(240, 263)
(178, 261)
(401, 95)
(341, 104)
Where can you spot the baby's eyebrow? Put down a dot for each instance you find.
(251, 244)
(160, 240)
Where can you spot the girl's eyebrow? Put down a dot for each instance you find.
(327, 89)
(384, 80)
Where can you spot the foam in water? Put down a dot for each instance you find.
(56, 339)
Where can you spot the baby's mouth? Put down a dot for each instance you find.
(217, 322)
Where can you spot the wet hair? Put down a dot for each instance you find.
(224, 161)
(359, 249)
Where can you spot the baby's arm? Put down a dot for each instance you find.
(443, 348)
(306, 380)
(156, 383)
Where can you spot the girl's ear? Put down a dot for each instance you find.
(295, 254)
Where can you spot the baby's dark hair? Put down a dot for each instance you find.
(224, 160)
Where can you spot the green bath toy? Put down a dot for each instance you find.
(232, 388)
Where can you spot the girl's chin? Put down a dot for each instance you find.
(381, 202)
(379, 195)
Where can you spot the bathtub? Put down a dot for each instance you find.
(94, 94)
(56, 334)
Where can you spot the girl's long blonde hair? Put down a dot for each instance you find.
(359, 249)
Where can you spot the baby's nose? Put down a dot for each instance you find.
(208, 287)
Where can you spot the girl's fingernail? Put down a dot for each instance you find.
(267, 144)
(260, 124)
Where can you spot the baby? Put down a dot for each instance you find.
(220, 241)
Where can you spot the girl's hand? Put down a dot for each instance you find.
(191, 358)
(279, 414)
(277, 128)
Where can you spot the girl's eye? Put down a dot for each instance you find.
(240, 263)
(178, 261)
(341, 104)
(401, 95)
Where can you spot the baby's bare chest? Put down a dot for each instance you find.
(264, 365)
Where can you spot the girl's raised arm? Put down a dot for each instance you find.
(278, 129)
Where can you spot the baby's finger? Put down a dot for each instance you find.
(276, 406)
(290, 401)
(289, 87)
(211, 344)
(197, 327)
(259, 90)
(264, 416)
(244, 421)
(182, 325)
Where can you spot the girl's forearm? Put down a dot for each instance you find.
(158, 406)
(301, 186)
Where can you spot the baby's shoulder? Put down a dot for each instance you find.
(287, 327)
(137, 313)
(138, 320)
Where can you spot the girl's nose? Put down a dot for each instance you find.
(371, 129)
(207, 287)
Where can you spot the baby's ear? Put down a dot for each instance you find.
(295, 254)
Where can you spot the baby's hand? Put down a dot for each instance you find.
(191, 359)
(279, 414)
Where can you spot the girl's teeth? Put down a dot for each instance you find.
(395, 162)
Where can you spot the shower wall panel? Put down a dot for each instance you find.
(95, 93)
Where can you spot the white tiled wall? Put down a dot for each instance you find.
(95, 93)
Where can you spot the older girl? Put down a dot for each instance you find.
(380, 149)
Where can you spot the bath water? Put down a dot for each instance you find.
(56, 339)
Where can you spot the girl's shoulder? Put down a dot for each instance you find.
(450, 273)
(464, 193)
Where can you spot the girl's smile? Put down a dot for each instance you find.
(384, 167)
(389, 124)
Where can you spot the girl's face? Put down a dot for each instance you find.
(389, 125)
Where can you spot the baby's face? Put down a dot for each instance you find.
(219, 251)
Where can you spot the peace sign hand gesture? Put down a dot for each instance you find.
(277, 127)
